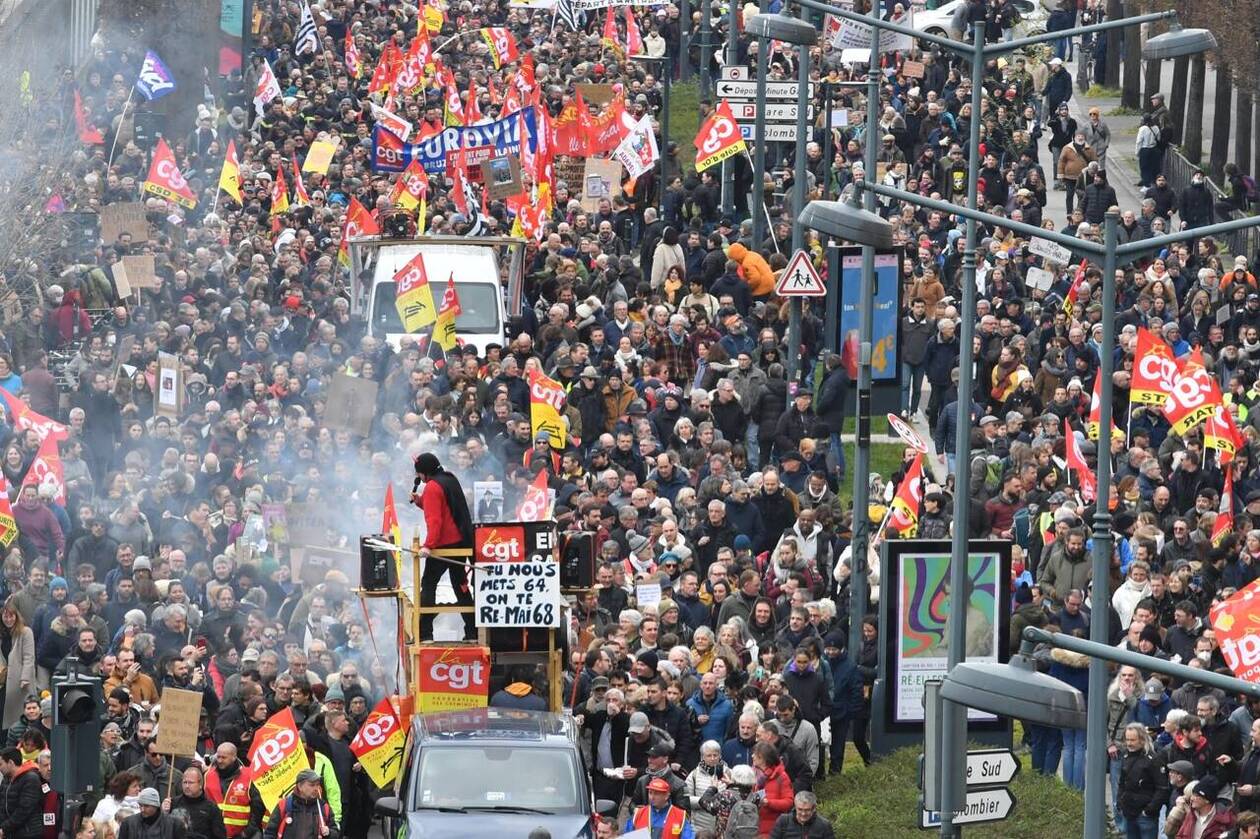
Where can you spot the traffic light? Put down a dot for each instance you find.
(76, 733)
(72, 703)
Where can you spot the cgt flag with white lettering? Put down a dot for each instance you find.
(379, 744)
(1237, 624)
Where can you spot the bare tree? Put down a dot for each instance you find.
(1111, 75)
(1192, 134)
(1177, 96)
(1223, 108)
(1242, 129)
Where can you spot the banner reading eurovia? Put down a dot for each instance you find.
(482, 142)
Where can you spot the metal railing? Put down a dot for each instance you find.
(1179, 170)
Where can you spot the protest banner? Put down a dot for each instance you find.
(181, 720)
(517, 576)
(453, 678)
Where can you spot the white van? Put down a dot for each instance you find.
(489, 274)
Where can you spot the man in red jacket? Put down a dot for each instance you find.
(448, 540)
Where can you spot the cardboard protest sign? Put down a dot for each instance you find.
(179, 722)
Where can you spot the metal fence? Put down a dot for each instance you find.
(1239, 243)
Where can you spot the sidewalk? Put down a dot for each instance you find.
(1122, 168)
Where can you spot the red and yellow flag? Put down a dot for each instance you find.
(503, 48)
(390, 528)
(904, 517)
(412, 295)
(1154, 370)
(279, 193)
(1221, 433)
(359, 222)
(1224, 524)
(353, 64)
(1072, 300)
(300, 198)
(719, 138)
(444, 326)
(1195, 395)
(8, 526)
(1237, 624)
(546, 401)
(1094, 420)
(166, 181)
(276, 757)
(536, 505)
(379, 744)
(230, 177)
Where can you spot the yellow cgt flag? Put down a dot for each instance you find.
(546, 399)
(379, 745)
(444, 327)
(276, 757)
(413, 297)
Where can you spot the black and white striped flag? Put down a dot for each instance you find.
(573, 18)
(307, 37)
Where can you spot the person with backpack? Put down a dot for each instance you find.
(302, 814)
(734, 804)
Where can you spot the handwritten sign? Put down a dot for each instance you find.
(912, 69)
(1039, 278)
(140, 271)
(1050, 251)
(124, 217)
(518, 575)
(179, 722)
(647, 594)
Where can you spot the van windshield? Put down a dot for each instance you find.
(479, 303)
(497, 776)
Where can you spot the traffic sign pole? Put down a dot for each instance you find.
(798, 203)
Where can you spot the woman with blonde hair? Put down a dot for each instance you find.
(17, 652)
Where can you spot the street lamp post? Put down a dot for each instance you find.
(758, 209)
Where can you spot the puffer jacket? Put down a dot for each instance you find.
(1139, 785)
(755, 269)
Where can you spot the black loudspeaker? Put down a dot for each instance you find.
(378, 570)
(577, 560)
(518, 640)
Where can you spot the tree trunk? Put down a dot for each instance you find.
(1115, 11)
(1255, 168)
(1242, 132)
(1131, 92)
(1192, 134)
(1150, 82)
(1221, 115)
(1177, 97)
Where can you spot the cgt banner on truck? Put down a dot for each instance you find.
(517, 575)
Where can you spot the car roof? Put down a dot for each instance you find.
(483, 725)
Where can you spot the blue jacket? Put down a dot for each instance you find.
(719, 711)
(846, 687)
(747, 520)
(735, 752)
(1152, 716)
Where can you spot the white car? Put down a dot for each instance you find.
(939, 21)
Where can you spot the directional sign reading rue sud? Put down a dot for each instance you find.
(799, 279)
(991, 767)
(985, 805)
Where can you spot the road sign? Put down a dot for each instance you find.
(774, 133)
(912, 438)
(986, 805)
(735, 74)
(989, 767)
(728, 89)
(799, 279)
(747, 111)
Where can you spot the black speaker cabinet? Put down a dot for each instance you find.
(378, 571)
(577, 560)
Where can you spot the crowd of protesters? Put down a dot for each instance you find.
(689, 456)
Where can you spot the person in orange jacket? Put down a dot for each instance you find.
(754, 268)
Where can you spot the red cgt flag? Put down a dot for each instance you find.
(1076, 462)
(904, 518)
(1195, 395)
(719, 138)
(1224, 524)
(1154, 370)
(1237, 624)
(166, 181)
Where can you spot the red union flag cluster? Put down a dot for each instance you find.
(166, 181)
(1194, 396)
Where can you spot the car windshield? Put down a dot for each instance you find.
(478, 303)
(492, 777)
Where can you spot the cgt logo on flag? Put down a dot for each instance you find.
(500, 544)
(155, 79)
(1237, 625)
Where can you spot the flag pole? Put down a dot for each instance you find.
(764, 209)
(121, 120)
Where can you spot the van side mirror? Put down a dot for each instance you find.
(389, 805)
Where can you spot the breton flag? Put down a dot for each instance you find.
(573, 18)
(307, 39)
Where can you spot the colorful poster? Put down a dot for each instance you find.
(884, 346)
(923, 605)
